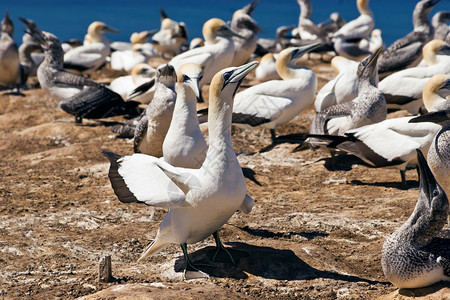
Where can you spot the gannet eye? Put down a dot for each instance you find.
(226, 75)
(435, 193)
(185, 77)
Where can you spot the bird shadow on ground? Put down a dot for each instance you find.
(343, 162)
(265, 262)
(410, 184)
(423, 292)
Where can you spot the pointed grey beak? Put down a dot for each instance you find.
(110, 29)
(300, 51)
(193, 84)
(240, 72)
(228, 32)
(427, 182)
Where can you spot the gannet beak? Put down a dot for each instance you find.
(33, 30)
(110, 29)
(227, 31)
(433, 3)
(148, 72)
(436, 117)
(240, 72)
(193, 84)
(298, 52)
(167, 70)
(427, 182)
(445, 50)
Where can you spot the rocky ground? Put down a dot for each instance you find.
(314, 233)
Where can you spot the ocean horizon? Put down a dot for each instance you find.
(70, 19)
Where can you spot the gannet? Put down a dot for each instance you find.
(406, 51)
(372, 44)
(9, 55)
(267, 69)
(360, 27)
(276, 102)
(217, 53)
(126, 60)
(141, 37)
(439, 153)
(349, 49)
(332, 24)
(152, 128)
(243, 23)
(342, 88)
(184, 145)
(171, 36)
(368, 108)
(125, 86)
(201, 200)
(92, 55)
(403, 89)
(413, 256)
(80, 96)
(196, 43)
(307, 29)
(28, 63)
(441, 28)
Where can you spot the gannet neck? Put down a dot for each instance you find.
(7, 26)
(305, 9)
(430, 95)
(211, 30)
(185, 111)
(420, 17)
(363, 7)
(430, 49)
(287, 68)
(53, 52)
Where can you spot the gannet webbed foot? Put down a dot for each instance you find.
(190, 271)
(223, 254)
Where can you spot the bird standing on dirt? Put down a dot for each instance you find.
(9, 55)
(201, 200)
(413, 256)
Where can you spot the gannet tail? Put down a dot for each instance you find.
(153, 248)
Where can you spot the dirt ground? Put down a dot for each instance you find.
(314, 233)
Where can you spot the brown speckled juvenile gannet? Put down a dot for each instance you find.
(9, 55)
(413, 257)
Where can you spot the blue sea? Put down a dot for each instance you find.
(70, 19)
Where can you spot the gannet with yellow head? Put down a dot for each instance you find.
(403, 89)
(201, 200)
(217, 53)
(94, 51)
(276, 102)
(360, 27)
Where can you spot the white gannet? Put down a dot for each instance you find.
(152, 128)
(94, 51)
(243, 23)
(439, 153)
(413, 256)
(9, 55)
(80, 96)
(342, 88)
(349, 49)
(217, 53)
(360, 27)
(441, 28)
(201, 200)
(171, 36)
(276, 102)
(184, 145)
(267, 68)
(403, 89)
(125, 86)
(307, 29)
(406, 51)
(141, 37)
(368, 108)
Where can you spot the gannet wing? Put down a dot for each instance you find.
(65, 78)
(197, 56)
(138, 178)
(140, 132)
(260, 105)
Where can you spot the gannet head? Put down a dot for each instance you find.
(243, 20)
(166, 75)
(216, 27)
(433, 48)
(96, 30)
(289, 57)
(249, 8)
(226, 82)
(143, 70)
(440, 17)
(7, 25)
(431, 195)
(363, 7)
(367, 68)
(420, 14)
(141, 37)
(190, 75)
(196, 43)
(436, 85)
